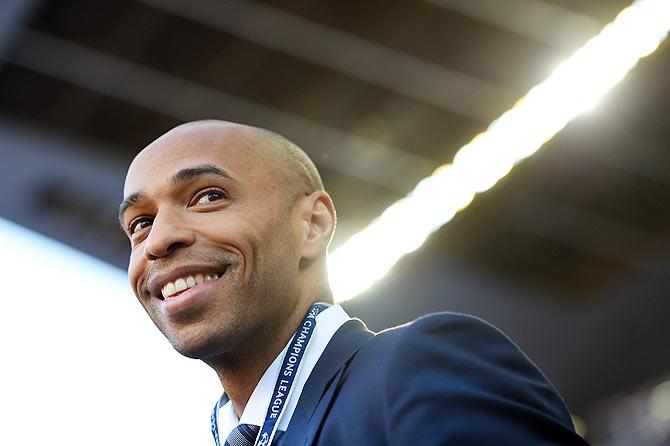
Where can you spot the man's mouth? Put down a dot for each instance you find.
(173, 289)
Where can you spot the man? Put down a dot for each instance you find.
(229, 227)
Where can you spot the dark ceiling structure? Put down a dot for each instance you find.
(568, 254)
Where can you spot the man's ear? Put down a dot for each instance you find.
(317, 224)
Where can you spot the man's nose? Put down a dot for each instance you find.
(167, 234)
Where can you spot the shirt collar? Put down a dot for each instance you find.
(328, 322)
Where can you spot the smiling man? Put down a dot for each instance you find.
(229, 227)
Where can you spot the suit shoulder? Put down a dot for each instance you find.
(469, 353)
(449, 327)
(467, 343)
(456, 344)
(462, 371)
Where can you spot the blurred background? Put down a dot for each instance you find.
(568, 254)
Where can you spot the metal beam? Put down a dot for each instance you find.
(609, 143)
(13, 13)
(350, 155)
(347, 54)
(544, 22)
(586, 231)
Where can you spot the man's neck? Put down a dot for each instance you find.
(239, 374)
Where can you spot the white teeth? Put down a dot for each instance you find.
(169, 289)
(180, 284)
(183, 283)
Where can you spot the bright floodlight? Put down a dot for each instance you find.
(574, 87)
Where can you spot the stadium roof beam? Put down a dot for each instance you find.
(345, 53)
(351, 155)
(587, 231)
(538, 20)
(13, 12)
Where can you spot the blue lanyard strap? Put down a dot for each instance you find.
(284, 383)
(214, 419)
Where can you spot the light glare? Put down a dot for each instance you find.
(574, 87)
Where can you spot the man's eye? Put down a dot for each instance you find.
(139, 224)
(209, 196)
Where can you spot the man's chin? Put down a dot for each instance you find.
(200, 347)
(192, 348)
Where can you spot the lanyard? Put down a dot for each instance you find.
(284, 383)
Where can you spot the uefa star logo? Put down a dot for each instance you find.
(264, 439)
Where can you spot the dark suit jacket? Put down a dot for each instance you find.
(444, 379)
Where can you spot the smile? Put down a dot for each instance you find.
(171, 289)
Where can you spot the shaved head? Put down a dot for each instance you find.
(242, 204)
(291, 161)
(296, 160)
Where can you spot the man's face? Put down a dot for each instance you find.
(213, 257)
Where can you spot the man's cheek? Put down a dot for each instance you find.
(133, 275)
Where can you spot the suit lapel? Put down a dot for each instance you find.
(322, 382)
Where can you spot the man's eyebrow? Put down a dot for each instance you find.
(129, 201)
(179, 177)
(196, 171)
